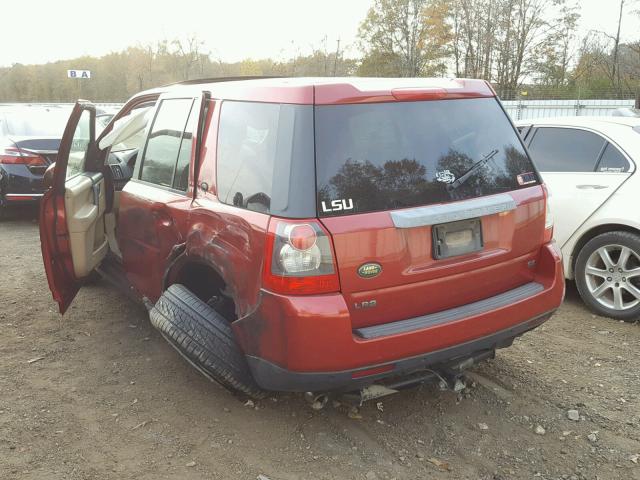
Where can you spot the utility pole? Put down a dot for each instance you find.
(335, 59)
(326, 56)
(615, 77)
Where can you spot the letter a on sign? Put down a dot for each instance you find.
(79, 74)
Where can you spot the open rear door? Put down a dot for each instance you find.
(70, 212)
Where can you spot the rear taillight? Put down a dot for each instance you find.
(15, 156)
(548, 217)
(299, 259)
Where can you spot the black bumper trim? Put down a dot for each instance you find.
(451, 315)
(273, 377)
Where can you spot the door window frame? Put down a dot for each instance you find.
(137, 171)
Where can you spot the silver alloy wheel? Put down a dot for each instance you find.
(612, 274)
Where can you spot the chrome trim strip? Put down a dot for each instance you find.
(24, 195)
(451, 212)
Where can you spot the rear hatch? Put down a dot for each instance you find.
(431, 204)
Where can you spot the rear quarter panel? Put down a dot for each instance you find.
(232, 241)
(229, 239)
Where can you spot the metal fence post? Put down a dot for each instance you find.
(519, 109)
(578, 105)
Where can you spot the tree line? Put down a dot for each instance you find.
(521, 46)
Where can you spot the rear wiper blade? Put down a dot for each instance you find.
(466, 175)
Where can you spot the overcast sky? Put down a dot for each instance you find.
(38, 31)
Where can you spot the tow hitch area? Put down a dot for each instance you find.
(449, 376)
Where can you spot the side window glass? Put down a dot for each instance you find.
(565, 149)
(181, 179)
(163, 144)
(613, 160)
(79, 145)
(247, 144)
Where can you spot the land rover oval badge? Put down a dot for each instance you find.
(369, 270)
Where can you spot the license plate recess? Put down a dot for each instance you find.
(457, 238)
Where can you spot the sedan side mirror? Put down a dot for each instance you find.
(47, 180)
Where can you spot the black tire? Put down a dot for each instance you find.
(204, 338)
(612, 239)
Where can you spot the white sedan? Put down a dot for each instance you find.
(589, 165)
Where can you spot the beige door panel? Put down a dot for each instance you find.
(84, 207)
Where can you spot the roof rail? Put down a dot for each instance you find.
(196, 81)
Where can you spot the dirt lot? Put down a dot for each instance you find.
(109, 399)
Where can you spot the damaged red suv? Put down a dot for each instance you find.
(309, 234)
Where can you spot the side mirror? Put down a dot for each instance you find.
(47, 180)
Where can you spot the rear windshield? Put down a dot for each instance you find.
(37, 122)
(373, 157)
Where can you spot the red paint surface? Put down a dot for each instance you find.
(56, 250)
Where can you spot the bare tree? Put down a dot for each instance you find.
(506, 40)
(189, 54)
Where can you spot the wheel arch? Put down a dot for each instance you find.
(199, 275)
(591, 233)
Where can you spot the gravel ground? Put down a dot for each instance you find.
(98, 394)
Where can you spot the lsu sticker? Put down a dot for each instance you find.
(337, 205)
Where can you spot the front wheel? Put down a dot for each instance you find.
(607, 275)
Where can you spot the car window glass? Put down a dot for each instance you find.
(37, 122)
(247, 141)
(163, 145)
(181, 179)
(79, 145)
(565, 149)
(381, 156)
(613, 160)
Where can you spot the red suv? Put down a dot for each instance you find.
(309, 234)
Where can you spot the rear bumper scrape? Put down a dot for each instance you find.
(273, 377)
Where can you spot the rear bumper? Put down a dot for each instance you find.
(19, 185)
(273, 377)
(307, 343)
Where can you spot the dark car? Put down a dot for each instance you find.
(29, 140)
(310, 234)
